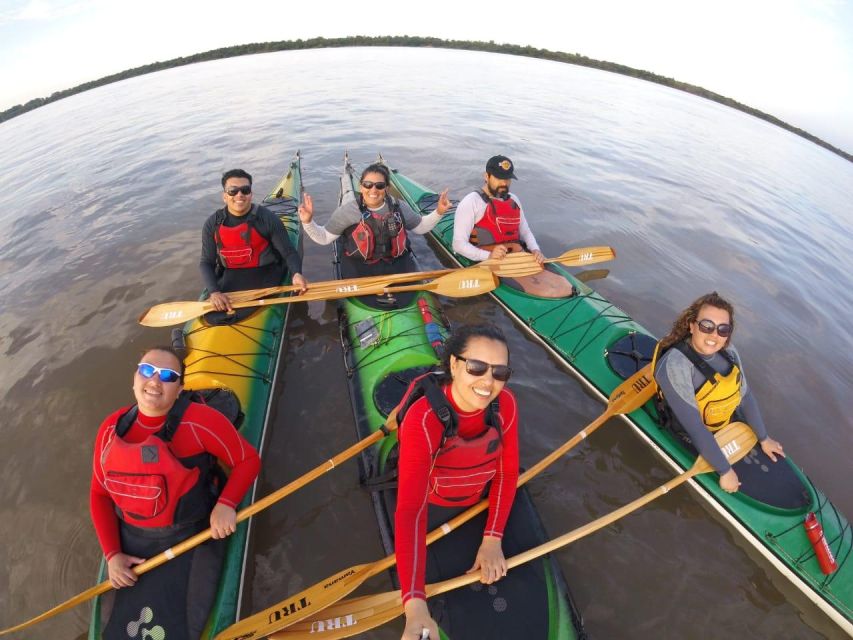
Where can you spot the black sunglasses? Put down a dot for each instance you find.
(367, 184)
(500, 372)
(246, 189)
(707, 326)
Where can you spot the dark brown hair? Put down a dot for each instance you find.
(376, 168)
(235, 173)
(459, 339)
(681, 327)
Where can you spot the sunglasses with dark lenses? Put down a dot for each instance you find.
(246, 189)
(367, 184)
(166, 375)
(707, 326)
(500, 372)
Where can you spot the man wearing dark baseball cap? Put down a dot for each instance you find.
(490, 223)
(501, 167)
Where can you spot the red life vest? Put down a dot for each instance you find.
(240, 247)
(150, 486)
(500, 223)
(462, 467)
(377, 236)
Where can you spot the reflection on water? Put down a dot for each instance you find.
(103, 202)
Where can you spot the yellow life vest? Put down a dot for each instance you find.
(720, 395)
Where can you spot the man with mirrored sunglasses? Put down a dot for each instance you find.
(372, 228)
(244, 245)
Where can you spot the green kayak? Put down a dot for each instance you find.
(242, 358)
(602, 345)
(386, 344)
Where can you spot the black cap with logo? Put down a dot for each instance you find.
(501, 167)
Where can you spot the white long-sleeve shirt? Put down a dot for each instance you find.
(349, 214)
(468, 213)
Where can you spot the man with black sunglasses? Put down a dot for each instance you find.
(244, 246)
(372, 228)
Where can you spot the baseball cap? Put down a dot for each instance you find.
(501, 167)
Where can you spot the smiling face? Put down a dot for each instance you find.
(239, 203)
(474, 393)
(373, 197)
(154, 396)
(708, 344)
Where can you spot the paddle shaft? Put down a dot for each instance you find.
(575, 534)
(632, 394)
(202, 536)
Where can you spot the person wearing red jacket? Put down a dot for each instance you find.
(445, 465)
(156, 482)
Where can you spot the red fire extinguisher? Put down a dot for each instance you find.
(821, 547)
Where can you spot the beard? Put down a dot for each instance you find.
(502, 193)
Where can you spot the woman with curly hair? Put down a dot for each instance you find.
(703, 386)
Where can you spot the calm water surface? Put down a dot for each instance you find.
(103, 199)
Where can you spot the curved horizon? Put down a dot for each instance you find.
(417, 42)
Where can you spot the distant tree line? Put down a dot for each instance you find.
(415, 41)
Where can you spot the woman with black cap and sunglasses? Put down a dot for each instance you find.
(155, 482)
(372, 228)
(458, 440)
(702, 385)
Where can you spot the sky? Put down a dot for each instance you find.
(790, 58)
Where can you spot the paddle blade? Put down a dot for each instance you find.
(348, 618)
(736, 439)
(465, 283)
(633, 393)
(584, 256)
(513, 265)
(309, 603)
(172, 313)
(590, 275)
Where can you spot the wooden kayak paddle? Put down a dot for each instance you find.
(461, 283)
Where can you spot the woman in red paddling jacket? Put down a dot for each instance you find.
(154, 484)
(451, 463)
